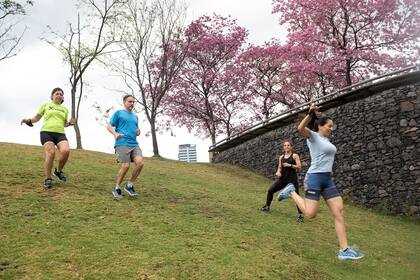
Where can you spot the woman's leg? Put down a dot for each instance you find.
(337, 210)
(310, 204)
(297, 192)
(278, 185)
(308, 207)
(49, 148)
(64, 148)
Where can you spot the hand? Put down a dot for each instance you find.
(314, 108)
(28, 122)
(138, 132)
(118, 136)
(278, 174)
(285, 164)
(314, 112)
(72, 121)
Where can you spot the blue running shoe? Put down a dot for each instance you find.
(285, 193)
(350, 254)
(130, 190)
(117, 193)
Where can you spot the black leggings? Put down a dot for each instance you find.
(278, 185)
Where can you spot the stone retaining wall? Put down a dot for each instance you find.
(378, 158)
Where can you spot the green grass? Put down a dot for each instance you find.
(190, 221)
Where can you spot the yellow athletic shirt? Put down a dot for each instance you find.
(55, 116)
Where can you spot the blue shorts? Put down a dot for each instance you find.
(317, 184)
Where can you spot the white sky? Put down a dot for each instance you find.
(27, 79)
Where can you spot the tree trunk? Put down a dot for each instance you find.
(78, 137)
(348, 76)
(73, 115)
(154, 139)
(265, 111)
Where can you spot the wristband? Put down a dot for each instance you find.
(312, 115)
(29, 122)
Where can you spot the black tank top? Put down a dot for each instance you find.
(288, 172)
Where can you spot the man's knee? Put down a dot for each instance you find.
(125, 166)
(139, 162)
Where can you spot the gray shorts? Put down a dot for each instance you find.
(127, 154)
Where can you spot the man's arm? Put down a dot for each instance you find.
(111, 129)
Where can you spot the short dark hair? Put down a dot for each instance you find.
(55, 90)
(127, 96)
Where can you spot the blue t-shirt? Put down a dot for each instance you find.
(322, 153)
(125, 123)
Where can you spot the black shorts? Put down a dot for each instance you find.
(54, 137)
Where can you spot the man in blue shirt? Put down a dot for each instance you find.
(124, 126)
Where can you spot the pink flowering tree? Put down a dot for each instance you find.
(362, 37)
(234, 99)
(268, 74)
(206, 98)
(313, 72)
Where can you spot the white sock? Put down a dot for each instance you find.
(117, 187)
(129, 184)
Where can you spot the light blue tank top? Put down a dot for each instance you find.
(322, 153)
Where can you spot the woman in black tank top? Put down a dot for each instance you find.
(286, 173)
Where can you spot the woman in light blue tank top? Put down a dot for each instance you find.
(318, 180)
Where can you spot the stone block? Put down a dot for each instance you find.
(413, 210)
(406, 106)
(412, 122)
(403, 122)
(382, 193)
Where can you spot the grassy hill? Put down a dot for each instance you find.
(190, 221)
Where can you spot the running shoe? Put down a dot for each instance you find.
(265, 208)
(48, 184)
(59, 175)
(299, 218)
(130, 190)
(117, 193)
(285, 193)
(350, 254)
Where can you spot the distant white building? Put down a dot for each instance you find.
(187, 152)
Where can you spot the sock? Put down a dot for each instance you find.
(117, 187)
(129, 184)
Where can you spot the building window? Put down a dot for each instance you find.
(187, 152)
